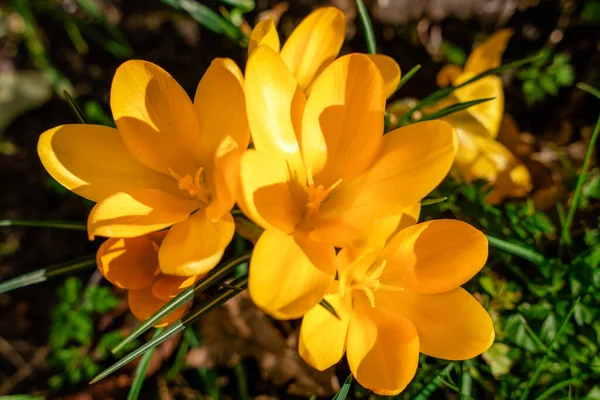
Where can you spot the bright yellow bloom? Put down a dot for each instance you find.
(401, 301)
(322, 172)
(170, 163)
(132, 264)
(314, 44)
(479, 155)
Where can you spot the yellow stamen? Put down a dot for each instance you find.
(196, 187)
(317, 194)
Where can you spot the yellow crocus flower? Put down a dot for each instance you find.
(170, 162)
(322, 172)
(132, 264)
(479, 155)
(399, 301)
(314, 44)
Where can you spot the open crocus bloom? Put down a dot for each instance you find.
(132, 264)
(314, 44)
(401, 301)
(170, 163)
(322, 172)
(479, 155)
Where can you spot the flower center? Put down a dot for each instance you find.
(316, 195)
(367, 282)
(196, 187)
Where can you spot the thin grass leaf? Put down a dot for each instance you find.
(590, 89)
(140, 372)
(559, 386)
(242, 382)
(435, 383)
(405, 78)
(538, 369)
(454, 108)
(205, 374)
(565, 237)
(343, 392)
(75, 108)
(466, 384)
(221, 297)
(517, 250)
(76, 226)
(43, 274)
(208, 18)
(214, 277)
(430, 202)
(444, 92)
(326, 305)
(367, 26)
(179, 359)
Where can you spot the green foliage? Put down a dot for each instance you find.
(72, 332)
(453, 53)
(546, 76)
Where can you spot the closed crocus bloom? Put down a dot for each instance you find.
(132, 264)
(171, 162)
(399, 301)
(322, 172)
(479, 155)
(314, 44)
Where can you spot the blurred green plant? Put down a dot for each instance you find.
(546, 75)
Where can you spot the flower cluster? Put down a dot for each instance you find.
(338, 200)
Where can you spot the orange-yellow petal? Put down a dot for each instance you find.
(434, 257)
(128, 263)
(322, 338)
(265, 194)
(275, 106)
(412, 161)
(136, 213)
(489, 113)
(221, 108)
(289, 275)
(93, 161)
(264, 33)
(314, 44)
(224, 178)
(484, 158)
(451, 325)
(390, 72)
(143, 304)
(382, 348)
(488, 54)
(343, 120)
(196, 245)
(448, 75)
(165, 287)
(156, 118)
(384, 228)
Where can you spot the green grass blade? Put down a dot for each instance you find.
(405, 78)
(43, 274)
(435, 383)
(207, 17)
(326, 305)
(140, 372)
(155, 341)
(76, 226)
(179, 359)
(242, 381)
(441, 93)
(466, 384)
(214, 277)
(363, 13)
(343, 392)
(221, 297)
(565, 237)
(430, 202)
(205, 374)
(453, 109)
(590, 89)
(559, 386)
(75, 108)
(516, 249)
(538, 369)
